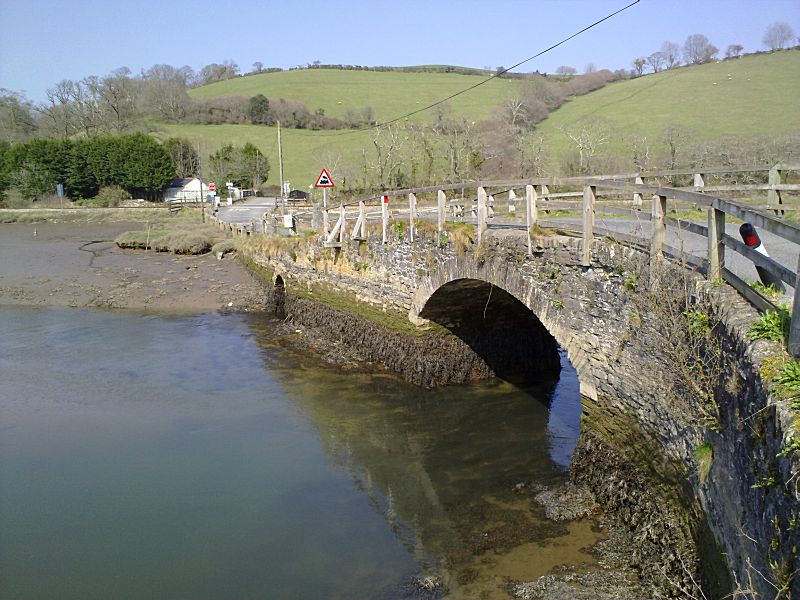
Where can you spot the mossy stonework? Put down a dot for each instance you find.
(438, 315)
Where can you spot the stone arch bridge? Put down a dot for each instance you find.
(619, 305)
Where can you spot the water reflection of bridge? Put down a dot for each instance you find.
(430, 461)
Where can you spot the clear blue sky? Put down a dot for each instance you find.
(45, 41)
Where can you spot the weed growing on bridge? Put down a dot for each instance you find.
(772, 325)
(704, 455)
(770, 292)
(681, 326)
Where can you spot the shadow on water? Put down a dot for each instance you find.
(452, 471)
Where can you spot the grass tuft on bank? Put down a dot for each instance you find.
(178, 240)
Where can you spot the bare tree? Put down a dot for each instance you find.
(672, 54)
(656, 61)
(698, 50)
(588, 136)
(638, 65)
(533, 154)
(119, 93)
(218, 72)
(388, 142)
(60, 112)
(258, 67)
(778, 35)
(16, 117)
(734, 51)
(590, 68)
(515, 115)
(675, 139)
(640, 150)
(566, 71)
(165, 91)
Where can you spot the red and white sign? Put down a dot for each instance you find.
(212, 187)
(385, 199)
(324, 180)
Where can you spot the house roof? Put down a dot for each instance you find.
(182, 181)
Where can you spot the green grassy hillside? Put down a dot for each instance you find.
(746, 97)
(304, 152)
(753, 95)
(389, 93)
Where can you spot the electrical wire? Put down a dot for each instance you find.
(472, 87)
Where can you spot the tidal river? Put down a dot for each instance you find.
(148, 456)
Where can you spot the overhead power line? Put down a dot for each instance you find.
(472, 87)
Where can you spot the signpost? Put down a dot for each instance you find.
(324, 181)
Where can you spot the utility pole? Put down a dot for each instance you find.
(280, 162)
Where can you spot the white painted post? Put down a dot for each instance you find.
(531, 215)
(716, 247)
(589, 195)
(362, 216)
(490, 207)
(512, 207)
(481, 213)
(325, 223)
(412, 215)
(441, 203)
(637, 197)
(384, 217)
(699, 181)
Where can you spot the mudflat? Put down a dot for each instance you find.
(79, 265)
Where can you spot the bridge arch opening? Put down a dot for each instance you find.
(498, 327)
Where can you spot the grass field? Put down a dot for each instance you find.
(304, 152)
(390, 94)
(759, 98)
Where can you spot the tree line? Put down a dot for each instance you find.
(698, 50)
(136, 163)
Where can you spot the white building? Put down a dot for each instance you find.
(187, 190)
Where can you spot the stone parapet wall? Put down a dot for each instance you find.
(745, 507)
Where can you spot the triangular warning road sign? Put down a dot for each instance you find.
(324, 180)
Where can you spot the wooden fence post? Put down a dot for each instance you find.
(341, 216)
(716, 246)
(481, 213)
(659, 210)
(412, 215)
(441, 203)
(589, 195)
(512, 207)
(384, 217)
(774, 196)
(531, 216)
(794, 324)
(637, 197)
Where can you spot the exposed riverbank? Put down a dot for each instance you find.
(77, 264)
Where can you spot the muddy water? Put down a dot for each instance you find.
(192, 456)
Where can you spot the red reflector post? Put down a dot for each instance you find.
(752, 240)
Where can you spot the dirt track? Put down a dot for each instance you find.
(77, 264)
